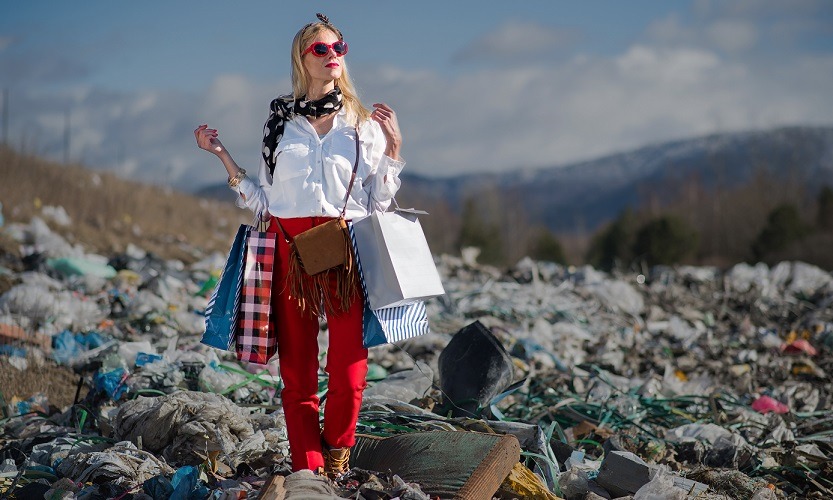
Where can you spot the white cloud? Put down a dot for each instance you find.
(6, 42)
(758, 8)
(746, 27)
(732, 35)
(499, 120)
(729, 36)
(237, 106)
(668, 66)
(142, 102)
(680, 80)
(147, 135)
(40, 67)
(516, 40)
(786, 31)
(668, 30)
(488, 120)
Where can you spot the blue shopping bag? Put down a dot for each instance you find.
(224, 305)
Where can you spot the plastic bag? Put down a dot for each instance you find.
(660, 487)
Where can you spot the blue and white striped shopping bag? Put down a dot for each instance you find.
(391, 324)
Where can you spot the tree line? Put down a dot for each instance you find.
(767, 219)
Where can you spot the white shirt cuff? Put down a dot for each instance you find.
(389, 166)
(245, 191)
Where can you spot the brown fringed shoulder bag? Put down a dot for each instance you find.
(317, 252)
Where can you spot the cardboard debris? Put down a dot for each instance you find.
(15, 335)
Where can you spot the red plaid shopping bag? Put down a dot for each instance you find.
(255, 343)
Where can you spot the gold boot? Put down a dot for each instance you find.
(336, 462)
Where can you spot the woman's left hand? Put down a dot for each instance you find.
(386, 118)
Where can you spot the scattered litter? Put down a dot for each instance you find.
(474, 368)
(122, 464)
(800, 346)
(545, 381)
(766, 404)
(183, 425)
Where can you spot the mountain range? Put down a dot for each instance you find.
(585, 195)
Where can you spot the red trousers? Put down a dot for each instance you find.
(298, 358)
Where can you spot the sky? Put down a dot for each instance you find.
(477, 86)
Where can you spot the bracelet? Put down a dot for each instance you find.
(234, 181)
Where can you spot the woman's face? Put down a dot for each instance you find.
(326, 68)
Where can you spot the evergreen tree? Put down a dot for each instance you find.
(665, 240)
(545, 246)
(824, 219)
(783, 227)
(614, 243)
(475, 232)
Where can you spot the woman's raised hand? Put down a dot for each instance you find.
(207, 139)
(386, 118)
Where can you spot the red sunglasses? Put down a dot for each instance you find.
(321, 49)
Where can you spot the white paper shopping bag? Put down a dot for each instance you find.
(396, 262)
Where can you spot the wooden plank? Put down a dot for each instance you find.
(273, 489)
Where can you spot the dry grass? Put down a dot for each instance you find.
(108, 212)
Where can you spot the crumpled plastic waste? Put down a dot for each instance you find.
(573, 483)
(374, 486)
(129, 351)
(69, 266)
(800, 346)
(185, 484)
(405, 385)
(122, 464)
(605, 361)
(52, 453)
(61, 310)
(35, 403)
(156, 373)
(661, 487)
(727, 449)
(63, 488)
(766, 404)
(183, 426)
(67, 347)
(112, 382)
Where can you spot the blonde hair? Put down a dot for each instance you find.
(356, 112)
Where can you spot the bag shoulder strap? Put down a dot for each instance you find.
(352, 176)
(346, 196)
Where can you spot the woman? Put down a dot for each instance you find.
(309, 150)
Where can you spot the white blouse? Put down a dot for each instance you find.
(312, 173)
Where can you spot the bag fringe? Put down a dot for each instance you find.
(310, 292)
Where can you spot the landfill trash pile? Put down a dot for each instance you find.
(687, 382)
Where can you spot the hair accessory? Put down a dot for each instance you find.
(325, 20)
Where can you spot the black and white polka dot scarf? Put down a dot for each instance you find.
(283, 109)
